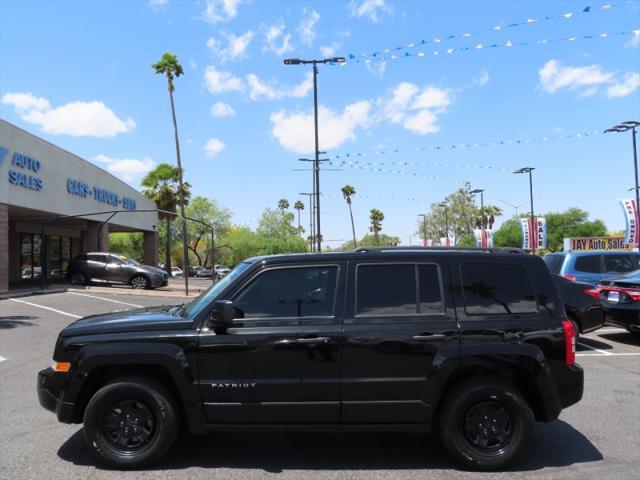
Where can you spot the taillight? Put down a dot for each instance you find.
(633, 294)
(569, 342)
(570, 277)
(592, 292)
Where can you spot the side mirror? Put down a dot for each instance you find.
(223, 314)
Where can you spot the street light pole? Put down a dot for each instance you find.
(625, 127)
(446, 222)
(316, 165)
(311, 200)
(533, 217)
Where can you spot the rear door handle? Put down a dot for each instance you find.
(430, 336)
(313, 340)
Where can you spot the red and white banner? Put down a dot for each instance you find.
(534, 237)
(484, 238)
(449, 241)
(427, 243)
(632, 235)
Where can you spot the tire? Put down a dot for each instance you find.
(139, 282)
(499, 410)
(78, 278)
(136, 441)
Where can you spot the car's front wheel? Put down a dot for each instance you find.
(130, 423)
(78, 278)
(139, 282)
(486, 424)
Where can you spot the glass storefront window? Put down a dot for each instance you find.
(53, 257)
(65, 254)
(58, 256)
(37, 262)
(26, 260)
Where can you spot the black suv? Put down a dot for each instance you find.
(473, 343)
(114, 268)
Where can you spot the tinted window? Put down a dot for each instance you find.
(430, 301)
(386, 290)
(620, 263)
(491, 289)
(554, 262)
(289, 292)
(97, 258)
(588, 264)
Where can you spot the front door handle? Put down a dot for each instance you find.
(430, 336)
(313, 340)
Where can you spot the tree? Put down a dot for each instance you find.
(209, 213)
(162, 186)
(347, 192)
(168, 65)
(299, 206)
(369, 241)
(376, 217)
(283, 204)
(129, 244)
(573, 222)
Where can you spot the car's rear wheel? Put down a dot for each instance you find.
(130, 423)
(78, 278)
(139, 282)
(486, 424)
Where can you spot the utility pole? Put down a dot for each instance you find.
(446, 222)
(316, 165)
(311, 226)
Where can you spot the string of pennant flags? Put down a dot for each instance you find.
(356, 163)
(380, 197)
(395, 55)
(399, 172)
(462, 146)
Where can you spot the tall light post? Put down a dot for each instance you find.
(424, 228)
(311, 198)
(481, 192)
(516, 207)
(316, 168)
(446, 221)
(625, 127)
(533, 217)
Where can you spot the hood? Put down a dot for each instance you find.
(150, 269)
(138, 320)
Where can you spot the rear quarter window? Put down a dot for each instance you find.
(620, 263)
(588, 264)
(497, 289)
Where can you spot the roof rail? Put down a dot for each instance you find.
(441, 249)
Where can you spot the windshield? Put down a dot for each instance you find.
(131, 261)
(196, 306)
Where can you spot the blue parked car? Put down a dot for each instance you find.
(592, 267)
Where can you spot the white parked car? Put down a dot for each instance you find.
(176, 272)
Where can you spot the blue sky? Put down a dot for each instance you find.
(78, 74)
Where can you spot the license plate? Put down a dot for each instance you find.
(613, 296)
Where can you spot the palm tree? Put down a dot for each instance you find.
(299, 206)
(283, 204)
(163, 187)
(168, 65)
(347, 192)
(376, 217)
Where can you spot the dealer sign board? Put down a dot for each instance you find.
(585, 244)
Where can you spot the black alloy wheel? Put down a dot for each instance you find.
(488, 426)
(139, 282)
(129, 426)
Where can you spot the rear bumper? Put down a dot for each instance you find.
(624, 315)
(50, 391)
(573, 395)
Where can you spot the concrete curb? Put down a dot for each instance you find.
(110, 290)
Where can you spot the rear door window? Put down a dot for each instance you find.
(620, 263)
(497, 289)
(588, 264)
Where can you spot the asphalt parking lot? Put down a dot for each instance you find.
(599, 438)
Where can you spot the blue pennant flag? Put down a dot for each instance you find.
(351, 56)
(586, 10)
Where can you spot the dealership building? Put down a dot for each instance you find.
(55, 205)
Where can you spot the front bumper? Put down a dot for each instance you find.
(158, 281)
(50, 394)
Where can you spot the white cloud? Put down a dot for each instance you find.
(481, 80)
(329, 50)
(157, 4)
(586, 80)
(220, 82)
(377, 67)
(78, 119)
(235, 48)
(193, 64)
(295, 131)
(371, 9)
(416, 109)
(220, 10)
(128, 169)
(221, 109)
(213, 147)
(306, 27)
(275, 38)
(635, 40)
(630, 83)
(271, 91)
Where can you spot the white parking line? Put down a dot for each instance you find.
(610, 330)
(2, 359)
(46, 308)
(105, 299)
(603, 352)
(609, 354)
